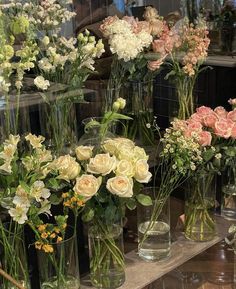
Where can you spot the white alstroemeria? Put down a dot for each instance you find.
(39, 192)
(45, 208)
(6, 167)
(21, 197)
(8, 152)
(41, 83)
(35, 141)
(19, 214)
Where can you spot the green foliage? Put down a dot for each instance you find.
(144, 200)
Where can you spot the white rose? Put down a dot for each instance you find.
(84, 152)
(67, 166)
(41, 83)
(142, 174)
(140, 153)
(125, 168)
(101, 164)
(121, 186)
(87, 186)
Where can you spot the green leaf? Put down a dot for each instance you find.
(231, 152)
(116, 115)
(55, 200)
(88, 215)
(131, 204)
(53, 183)
(144, 200)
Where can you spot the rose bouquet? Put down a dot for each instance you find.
(189, 52)
(221, 124)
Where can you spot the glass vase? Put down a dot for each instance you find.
(13, 256)
(199, 207)
(139, 106)
(95, 132)
(228, 206)
(60, 268)
(106, 252)
(154, 228)
(184, 91)
(58, 120)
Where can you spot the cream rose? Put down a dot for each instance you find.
(142, 174)
(67, 166)
(125, 168)
(102, 164)
(84, 153)
(87, 186)
(140, 153)
(121, 186)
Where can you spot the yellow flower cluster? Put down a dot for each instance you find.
(72, 201)
(48, 234)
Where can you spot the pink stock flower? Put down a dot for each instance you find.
(223, 127)
(220, 111)
(155, 64)
(232, 115)
(205, 138)
(158, 46)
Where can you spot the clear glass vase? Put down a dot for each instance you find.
(199, 207)
(228, 204)
(154, 227)
(13, 257)
(58, 120)
(95, 132)
(139, 106)
(106, 252)
(60, 268)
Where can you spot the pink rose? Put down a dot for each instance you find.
(196, 117)
(204, 110)
(210, 119)
(179, 124)
(155, 64)
(187, 133)
(194, 125)
(232, 115)
(205, 138)
(223, 127)
(233, 131)
(220, 111)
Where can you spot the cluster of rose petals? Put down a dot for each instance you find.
(207, 122)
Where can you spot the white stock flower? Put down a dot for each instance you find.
(121, 186)
(41, 83)
(19, 214)
(35, 141)
(142, 174)
(102, 164)
(39, 192)
(84, 153)
(87, 186)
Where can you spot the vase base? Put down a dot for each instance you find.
(111, 280)
(228, 214)
(68, 283)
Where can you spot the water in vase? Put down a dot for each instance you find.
(154, 242)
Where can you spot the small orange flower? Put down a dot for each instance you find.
(42, 228)
(47, 248)
(53, 235)
(57, 230)
(44, 235)
(65, 195)
(38, 245)
(59, 239)
(64, 226)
